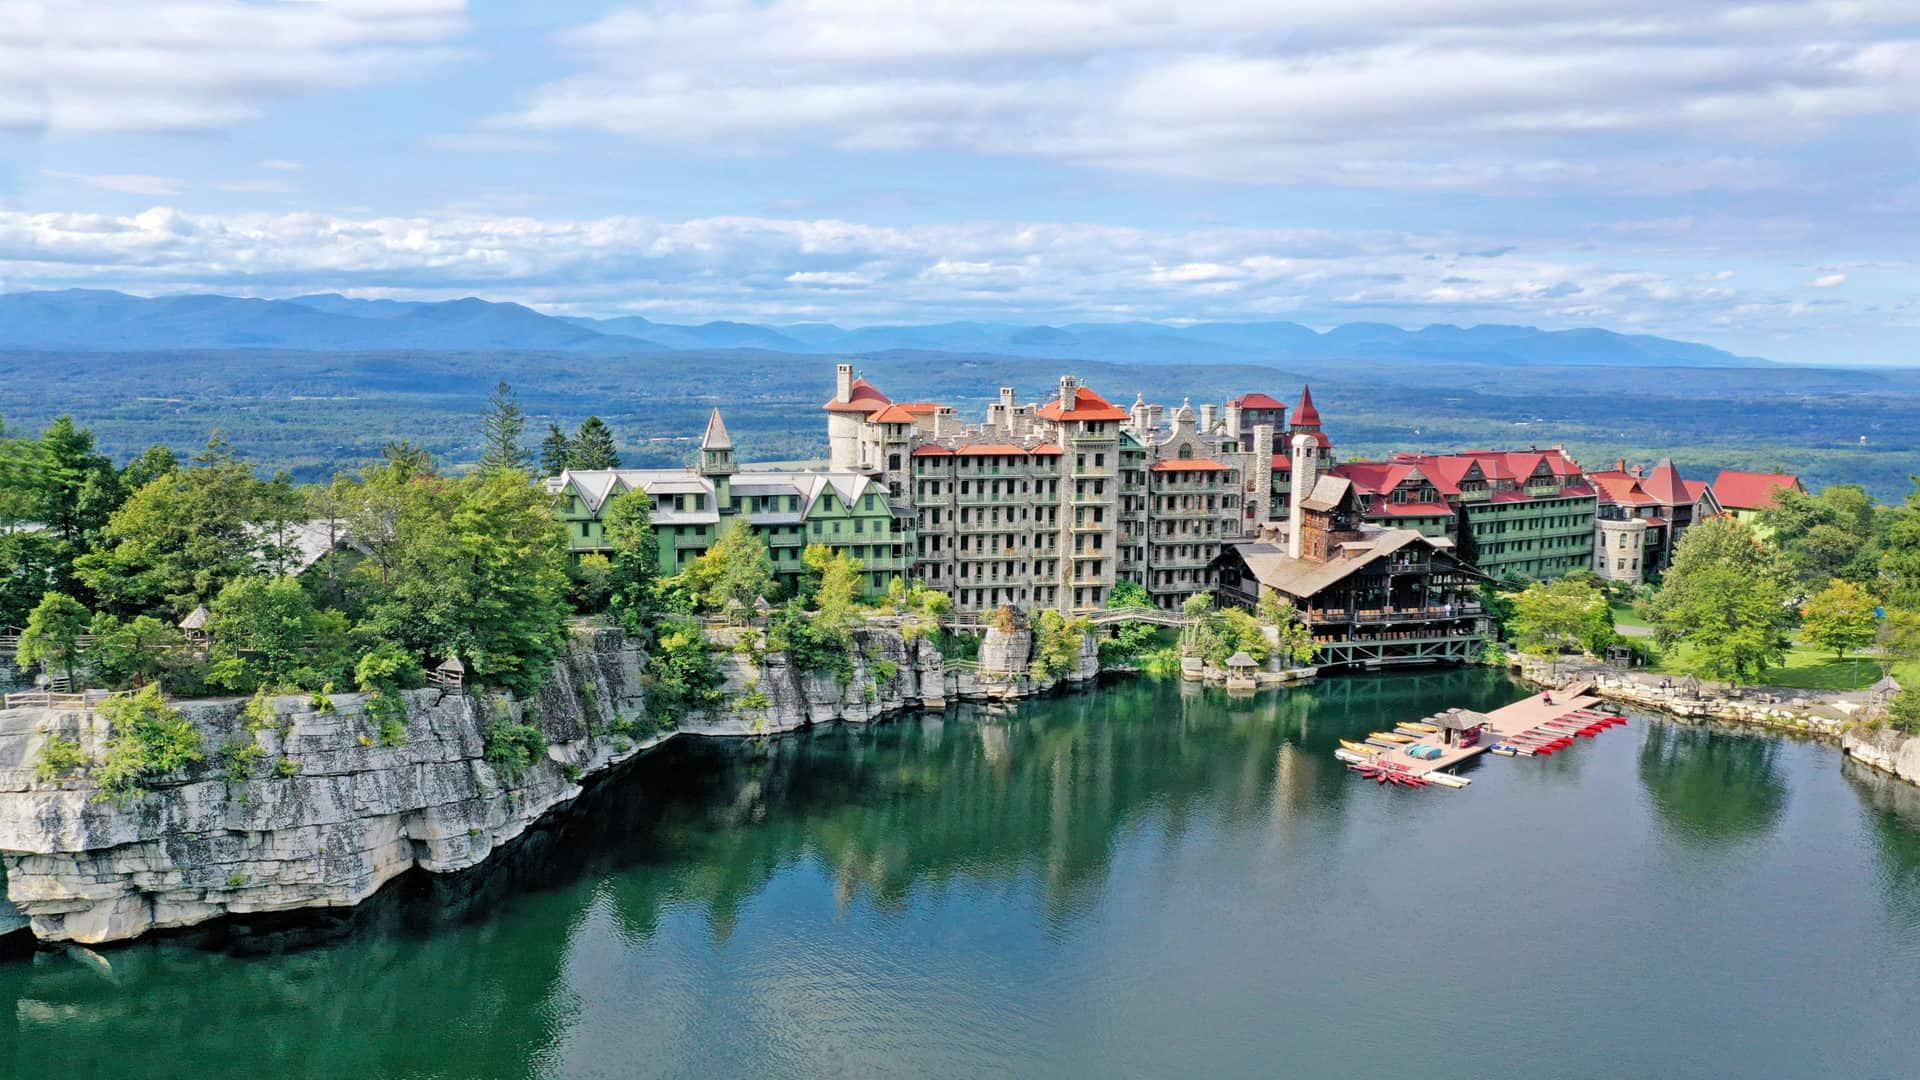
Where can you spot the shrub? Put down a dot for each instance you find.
(147, 740)
(59, 757)
(1056, 644)
(240, 758)
(884, 671)
(259, 713)
(1904, 711)
(681, 675)
(286, 768)
(512, 748)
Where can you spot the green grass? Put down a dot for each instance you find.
(1808, 668)
(1626, 616)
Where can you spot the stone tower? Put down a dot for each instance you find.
(1306, 470)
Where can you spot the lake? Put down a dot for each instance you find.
(1145, 879)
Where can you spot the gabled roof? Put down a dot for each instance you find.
(1304, 414)
(1302, 579)
(893, 414)
(1738, 490)
(1046, 450)
(1085, 406)
(716, 437)
(864, 398)
(1327, 493)
(1257, 401)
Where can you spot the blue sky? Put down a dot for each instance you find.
(1742, 174)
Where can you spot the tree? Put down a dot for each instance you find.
(1296, 644)
(1820, 537)
(735, 570)
(1840, 617)
(556, 452)
(476, 568)
(1900, 559)
(837, 600)
(53, 633)
(501, 430)
(155, 462)
(1724, 597)
(1898, 638)
(1569, 615)
(28, 560)
(267, 632)
(593, 447)
(133, 652)
(176, 542)
(76, 487)
(1129, 594)
(589, 583)
(635, 557)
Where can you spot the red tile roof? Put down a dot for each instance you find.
(1304, 414)
(1414, 509)
(1046, 448)
(1187, 465)
(1257, 401)
(892, 414)
(1620, 487)
(989, 449)
(931, 450)
(1282, 463)
(865, 398)
(1738, 490)
(1695, 489)
(1086, 405)
(1665, 484)
(921, 406)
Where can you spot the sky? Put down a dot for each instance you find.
(1743, 174)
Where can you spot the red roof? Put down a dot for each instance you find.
(986, 449)
(1046, 448)
(1413, 509)
(1086, 405)
(1620, 487)
(921, 406)
(1751, 490)
(1282, 463)
(1188, 465)
(932, 451)
(892, 414)
(1695, 489)
(1304, 414)
(1257, 401)
(1665, 484)
(865, 397)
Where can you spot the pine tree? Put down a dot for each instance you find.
(593, 446)
(556, 451)
(501, 431)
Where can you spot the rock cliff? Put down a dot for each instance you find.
(322, 816)
(1885, 749)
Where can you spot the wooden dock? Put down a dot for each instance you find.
(1530, 726)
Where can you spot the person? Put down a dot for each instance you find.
(1547, 697)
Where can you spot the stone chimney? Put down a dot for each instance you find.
(1304, 475)
(1261, 497)
(1069, 387)
(1207, 417)
(1233, 418)
(843, 382)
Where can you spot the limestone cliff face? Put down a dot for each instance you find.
(324, 815)
(347, 816)
(1884, 749)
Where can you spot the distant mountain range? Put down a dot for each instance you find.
(88, 320)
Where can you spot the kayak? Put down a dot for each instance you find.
(1359, 747)
(1390, 736)
(1424, 729)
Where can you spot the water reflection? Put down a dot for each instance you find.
(1892, 811)
(474, 974)
(1712, 788)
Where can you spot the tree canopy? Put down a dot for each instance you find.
(1725, 599)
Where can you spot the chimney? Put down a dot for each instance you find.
(1207, 417)
(1068, 386)
(843, 382)
(1262, 496)
(1304, 464)
(1233, 418)
(1006, 396)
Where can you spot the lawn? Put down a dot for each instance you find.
(1624, 615)
(1808, 668)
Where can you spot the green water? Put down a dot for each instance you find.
(1142, 881)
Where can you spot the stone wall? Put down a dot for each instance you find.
(352, 815)
(1884, 749)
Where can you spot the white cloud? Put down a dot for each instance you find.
(775, 268)
(122, 184)
(193, 65)
(1665, 97)
(1827, 281)
(278, 165)
(258, 185)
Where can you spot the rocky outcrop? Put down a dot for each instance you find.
(322, 815)
(1884, 749)
(1810, 711)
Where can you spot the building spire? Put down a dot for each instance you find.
(1304, 414)
(716, 437)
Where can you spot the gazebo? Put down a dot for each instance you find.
(1884, 690)
(1460, 727)
(1240, 671)
(194, 626)
(450, 674)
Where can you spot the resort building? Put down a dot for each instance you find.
(847, 510)
(1523, 513)
(1745, 494)
(1372, 595)
(1642, 516)
(1052, 504)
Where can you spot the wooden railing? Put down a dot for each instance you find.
(48, 699)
